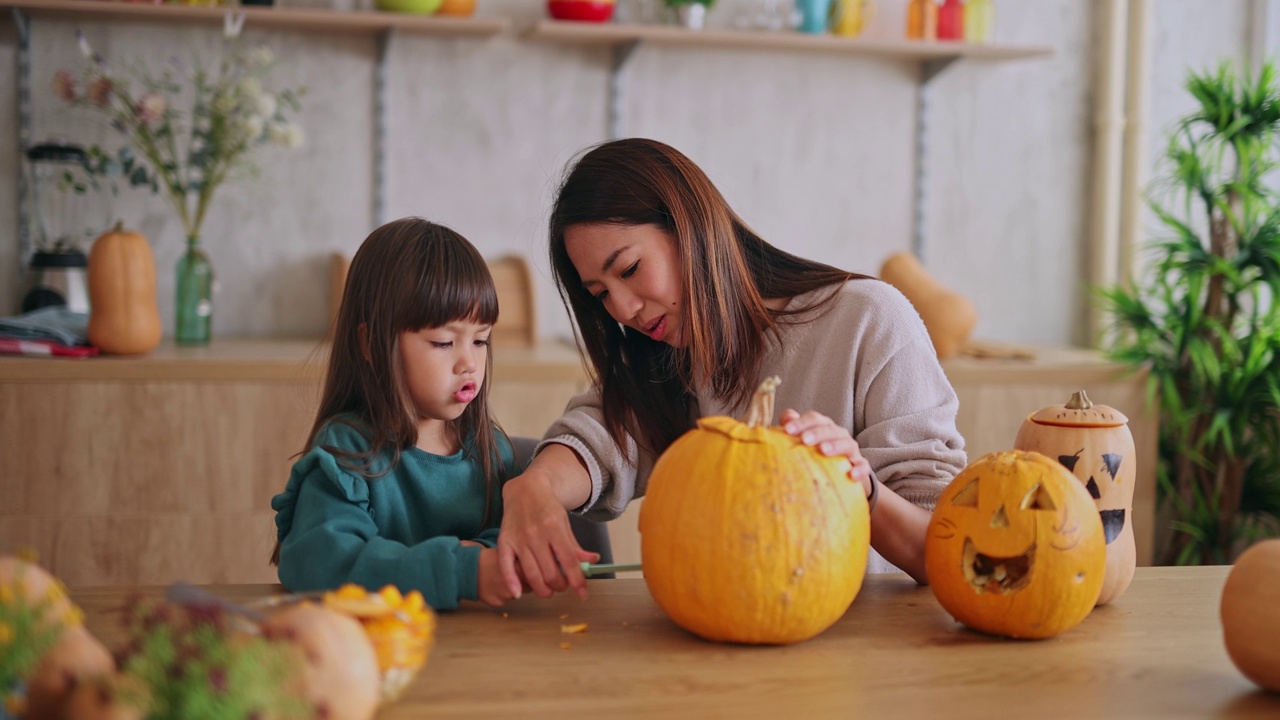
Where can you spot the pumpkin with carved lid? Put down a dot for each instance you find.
(1015, 548)
(1093, 442)
(750, 536)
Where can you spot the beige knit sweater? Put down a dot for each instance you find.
(865, 361)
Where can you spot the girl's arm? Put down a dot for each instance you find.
(333, 540)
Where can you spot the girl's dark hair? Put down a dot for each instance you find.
(408, 275)
(728, 273)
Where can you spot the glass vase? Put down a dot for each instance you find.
(194, 311)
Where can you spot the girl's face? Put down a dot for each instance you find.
(444, 368)
(634, 270)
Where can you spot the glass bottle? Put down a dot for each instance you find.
(194, 311)
(979, 21)
(951, 20)
(922, 20)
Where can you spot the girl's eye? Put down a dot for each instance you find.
(441, 345)
(631, 270)
(482, 342)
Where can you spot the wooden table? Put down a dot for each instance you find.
(1156, 652)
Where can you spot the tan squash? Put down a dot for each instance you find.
(341, 677)
(124, 317)
(77, 657)
(948, 316)
(39, 586)
(1015, 548)
(1093, 442)
(1251, 614)
(748, 535)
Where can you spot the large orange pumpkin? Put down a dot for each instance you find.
(1094, 443)
(1015, 547)
(750, 536)
(1251, 614)
(124, 317)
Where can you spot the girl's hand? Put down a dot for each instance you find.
(491, 587)
(536, 544)
(818, 430)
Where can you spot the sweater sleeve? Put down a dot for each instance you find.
(907, 429)
(617, 477)
(333, 539)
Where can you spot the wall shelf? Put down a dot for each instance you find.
(608, 34)
(284, 18)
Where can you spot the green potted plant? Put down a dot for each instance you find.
(1204, 319)
(692, 13)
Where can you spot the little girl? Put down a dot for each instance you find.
(400, 480)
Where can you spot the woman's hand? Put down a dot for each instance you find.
(818, 430)
(536, 540)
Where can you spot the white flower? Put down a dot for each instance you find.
(286, 134)
(151, 106)
(250, 88)
(261, 56)
(266, 105)
(251, 127)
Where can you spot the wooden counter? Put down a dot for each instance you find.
(1156, 652)
(150, 469)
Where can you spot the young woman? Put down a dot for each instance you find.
(682, 310)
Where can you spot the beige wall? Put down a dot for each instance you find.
(814, 150)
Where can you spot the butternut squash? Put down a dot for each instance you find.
(124, 317)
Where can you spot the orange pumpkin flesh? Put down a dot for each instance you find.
(124, 317)
(1251, 614)
(1015, 547)
(750, 536)
(1093, 442)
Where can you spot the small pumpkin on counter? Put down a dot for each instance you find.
(1251, 614)
(948, 316)
(750, 536)
(1015, 547)
(124, 317)
(1093, 442)
(341, 678)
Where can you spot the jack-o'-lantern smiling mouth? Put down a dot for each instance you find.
(987, 573)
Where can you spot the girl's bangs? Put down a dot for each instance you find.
(451, 287)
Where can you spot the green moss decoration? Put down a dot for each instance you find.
(27, 631)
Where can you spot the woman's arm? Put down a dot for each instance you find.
(897, 527)
(535, 525)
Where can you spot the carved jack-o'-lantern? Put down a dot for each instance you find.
(1094, 443)
(1015, 547)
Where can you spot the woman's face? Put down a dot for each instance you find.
(634, 271)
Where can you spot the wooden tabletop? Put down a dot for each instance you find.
(1156, 652)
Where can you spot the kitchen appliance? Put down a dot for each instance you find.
(63, 197)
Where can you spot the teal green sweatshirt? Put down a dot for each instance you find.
(403, 528)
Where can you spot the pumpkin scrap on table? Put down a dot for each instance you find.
(1015, 547)
(750, 536)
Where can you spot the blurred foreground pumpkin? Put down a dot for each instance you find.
(1251, 614)
(750, 536)
(340, 677)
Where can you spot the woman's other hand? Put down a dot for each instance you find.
(819, 431)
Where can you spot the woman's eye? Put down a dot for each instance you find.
(631, 270)
(601, 295)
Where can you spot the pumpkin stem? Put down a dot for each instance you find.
(760, 412)
(1079, 401)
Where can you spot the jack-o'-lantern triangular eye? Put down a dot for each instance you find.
(1038, 499)
(967, 497)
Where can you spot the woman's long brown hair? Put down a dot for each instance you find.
(728, 272)
(408, 275)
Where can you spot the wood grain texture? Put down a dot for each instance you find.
(1156, 653)
(153, 469)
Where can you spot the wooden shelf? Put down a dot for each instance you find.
(609, 34)
(308, 19)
